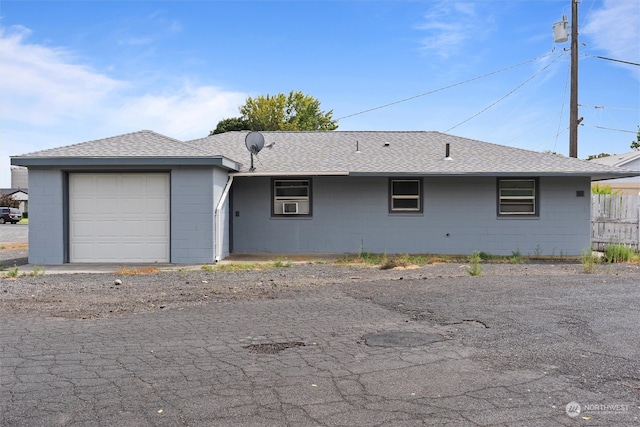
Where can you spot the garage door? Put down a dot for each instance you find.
(120, 217)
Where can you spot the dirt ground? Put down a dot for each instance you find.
(87, 296)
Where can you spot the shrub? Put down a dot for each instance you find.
(589, 261)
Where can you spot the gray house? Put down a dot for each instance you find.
(631, 160)
(144, 197)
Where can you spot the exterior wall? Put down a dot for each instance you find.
(350, 214)
(220, 178)
(194, 195)
(192, 221)
(46, 217)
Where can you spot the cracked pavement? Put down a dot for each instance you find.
(514, 351)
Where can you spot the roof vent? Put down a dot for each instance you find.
(447, 152)
(386, 144)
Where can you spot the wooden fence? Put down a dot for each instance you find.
(615, 218)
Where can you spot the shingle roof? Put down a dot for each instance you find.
(138, 148)
(380, 152)
(618, 159)
(334, 152)
(144, 143)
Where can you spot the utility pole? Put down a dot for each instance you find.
(560, 35)
(573, 107)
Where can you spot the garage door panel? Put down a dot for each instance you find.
(133, 206)
(82, 229)
(106, 206)
(106, 183)
(119, 217)
(157, 229)
(157, 206)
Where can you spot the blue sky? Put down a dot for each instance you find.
(74, 71)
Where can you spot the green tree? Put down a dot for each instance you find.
(8, 201)
(293, 112)
(598, 156)
(227, 125)
(635, 145)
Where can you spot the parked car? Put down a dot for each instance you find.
(11, 215)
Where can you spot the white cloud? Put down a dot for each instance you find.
(449, 25)
(614, 29)
(49, 98)
(188, 112)
(42, 86)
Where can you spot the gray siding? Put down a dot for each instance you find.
(194, 194)
(46, 217)
(350, 214)
(220, 180)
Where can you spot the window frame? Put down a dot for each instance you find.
(275, 199)
(535, 198)
(419, 197)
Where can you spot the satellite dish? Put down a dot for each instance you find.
(254, 141)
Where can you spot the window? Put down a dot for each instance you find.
(291, 197)
(518, 197)
(405, 195)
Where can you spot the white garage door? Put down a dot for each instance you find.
(119, 217)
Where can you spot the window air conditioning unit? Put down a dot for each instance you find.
(289, 207)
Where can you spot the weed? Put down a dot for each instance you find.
(485, 256)
(12, 271)
(128, 271)
(365, 258)
(537, 251)
(279, 263)
(618, 253)
(475, 269)
(398, 261)
(208, 267)
(37, 271)
(516, 257)
(589, 261)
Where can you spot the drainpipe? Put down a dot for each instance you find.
(218, 218)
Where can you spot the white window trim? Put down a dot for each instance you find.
(302, 203)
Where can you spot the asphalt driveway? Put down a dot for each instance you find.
(519, 350)
(14, 233)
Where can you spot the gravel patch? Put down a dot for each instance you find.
(88, 296)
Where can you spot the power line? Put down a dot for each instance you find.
(617, 130)
(601, 107)
(443, 88)
(615, 60)
(504, 97)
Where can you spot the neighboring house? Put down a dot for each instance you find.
(20, 195)
(630, 161)
(19, 177)
(144, 197)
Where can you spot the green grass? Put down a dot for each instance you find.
(475, 269)
(589, 261)
(618, 253)
(243, 266)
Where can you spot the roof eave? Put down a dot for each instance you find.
(124, 161)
